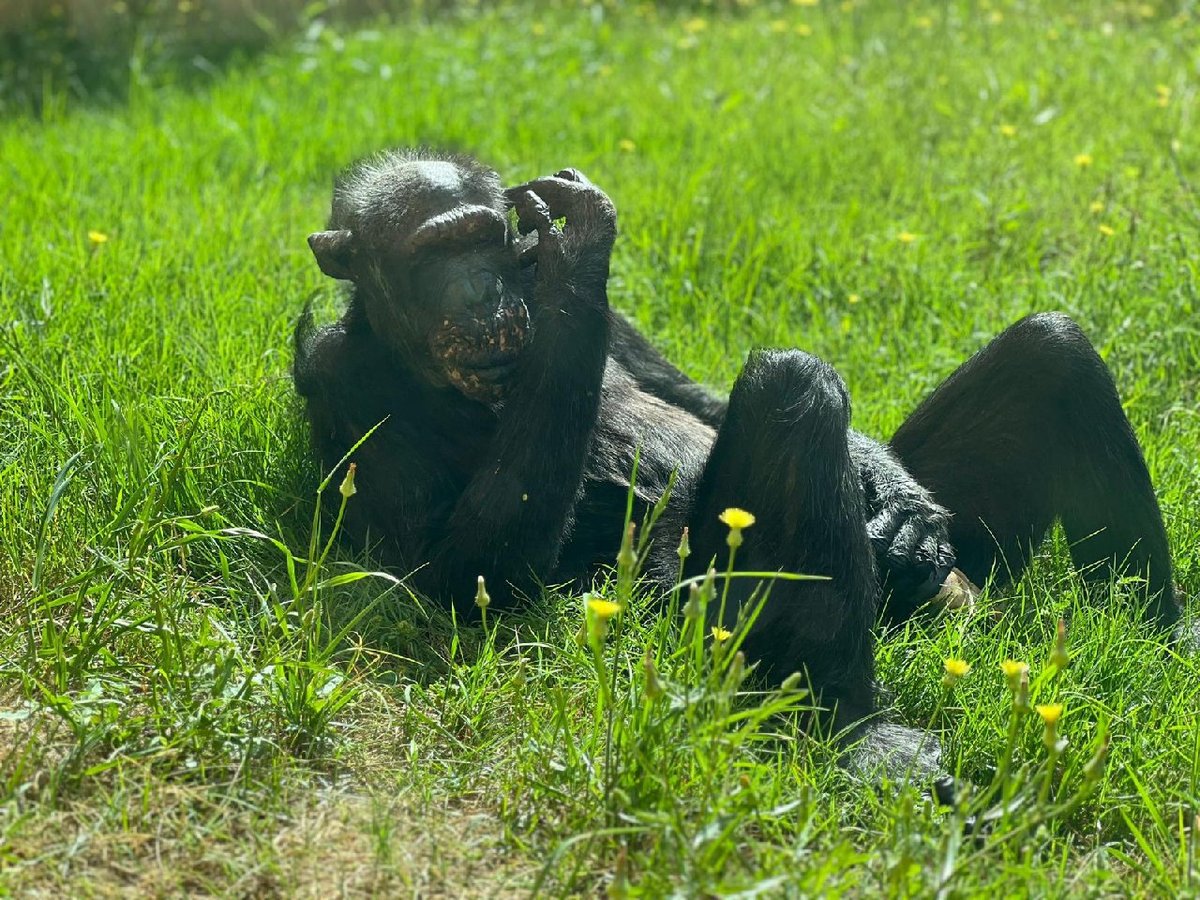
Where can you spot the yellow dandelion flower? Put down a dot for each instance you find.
(1083, 160)
(804, 30)
(625, 145)
(1096, 207)
(602, 609)
(924, 22)
(779, 26)
(721, 635)
(805, 2)
(906, 237)
(1050, 713)
(853, 298)
(538, 29)
(97, 237)
(695, 25)
(1107, 230)
(1008, 131)
(996, 17)
(957, 668)
(1013, 670)
(737, 518)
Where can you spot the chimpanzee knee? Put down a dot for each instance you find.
(1054, 348)
(790, 391)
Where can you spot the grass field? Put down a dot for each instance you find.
(191, 707)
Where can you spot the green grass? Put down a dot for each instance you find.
(191, 708)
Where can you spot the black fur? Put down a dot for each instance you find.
(522, 476)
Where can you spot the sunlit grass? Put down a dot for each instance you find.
(193, 703)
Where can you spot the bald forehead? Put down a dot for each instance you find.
(432, 177)
(402, 193)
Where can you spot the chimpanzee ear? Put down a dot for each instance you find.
(334, 251)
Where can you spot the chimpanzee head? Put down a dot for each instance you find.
(426, 242)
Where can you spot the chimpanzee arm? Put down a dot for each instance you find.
(908, 529)
(510, 521)
(655, 375)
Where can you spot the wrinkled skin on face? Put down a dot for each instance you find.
(478, 352)
(484, 323)
(437, 270)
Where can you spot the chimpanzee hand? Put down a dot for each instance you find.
(907, 528)
(912, 547)
(580, 252)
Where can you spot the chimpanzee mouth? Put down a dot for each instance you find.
(497, 367)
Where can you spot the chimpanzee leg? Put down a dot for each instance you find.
(782, 454)
(1028, 430)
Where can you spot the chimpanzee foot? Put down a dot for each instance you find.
(957, 592)
(877, 751)
(1186, 635)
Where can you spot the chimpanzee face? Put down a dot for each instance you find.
(476, 320)
(436, 271)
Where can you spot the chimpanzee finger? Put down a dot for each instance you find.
(573, 199)
(573, 174)
(882, 529)
(903, 551)
(938, 556)
(532, 211)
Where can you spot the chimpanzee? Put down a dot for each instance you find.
(513, 402)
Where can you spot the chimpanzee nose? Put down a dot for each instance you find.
(489, 290)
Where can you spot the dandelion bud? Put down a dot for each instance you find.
(626, 557)
(737, 670)
(347, 488)
(793, 682)
(692, 609)
(708, 587)
(654, 686)
(1021, 698)
(1058, 656)
(482, 600)
(685, 548)
(956, 669)
(1093, 769)
(618, 889)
